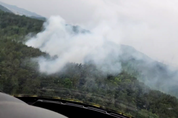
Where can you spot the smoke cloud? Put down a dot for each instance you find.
(76, 46)
(141, 24)
(148, 26)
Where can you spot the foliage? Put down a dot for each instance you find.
(122, 92)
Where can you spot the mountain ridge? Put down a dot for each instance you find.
(5, 9)
(20, 11)
(122, 93)
(154, 74)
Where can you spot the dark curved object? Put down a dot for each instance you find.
(71, 109)
(11, 107)
(31, 107)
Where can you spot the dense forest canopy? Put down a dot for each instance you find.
(121, 92)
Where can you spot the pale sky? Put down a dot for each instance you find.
(68, 9)
(151, 26)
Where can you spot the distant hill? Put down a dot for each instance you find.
(19, 11)
(122, 93)
(153, 73)
(4, 9)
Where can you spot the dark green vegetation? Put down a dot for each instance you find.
(154, 74)
(15, 28)
(16, 10)
(121, 92)
(4, 9)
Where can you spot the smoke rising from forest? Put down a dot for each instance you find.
(80, 46)
(148, 26)
(98, 45)
(141, 24)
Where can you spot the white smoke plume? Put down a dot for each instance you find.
(141, 24)
(149, 26)
(59, 39)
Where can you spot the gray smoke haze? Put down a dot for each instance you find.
(144, 23)
(148, 26)
(59, 39)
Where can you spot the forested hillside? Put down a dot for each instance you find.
(154, 74)
(19, 11)
(4, 9)
(122, 93)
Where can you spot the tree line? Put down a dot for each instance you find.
(84, 83)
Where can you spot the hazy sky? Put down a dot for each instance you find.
(68, 9)
(150, 26)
